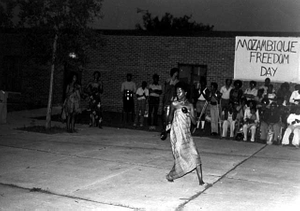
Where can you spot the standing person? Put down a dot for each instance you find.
(155, 90)
(128, 89)
(72, 102)
(225, 91)
(185, 153)
(142, 95)
(236, 93)
(169, 94)
(94, 90)
(202, 101)
(214, 107)
(251, 92)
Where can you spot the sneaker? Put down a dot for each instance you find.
(134, 125)
(244, 139)
(141, 125)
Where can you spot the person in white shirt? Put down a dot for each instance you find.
(225, 91)
(295, 96)
(251, 92)
(251, 119)
(142, 95)
(294, 127)
(128, 89)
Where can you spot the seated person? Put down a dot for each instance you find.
(259, 98)
(251, 92)
(294, 127)
(271, 94)
(229, 120)
(271, 125)
(295, 96)
(251, 119)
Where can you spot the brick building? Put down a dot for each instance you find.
(209, 54)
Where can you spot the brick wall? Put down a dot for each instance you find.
(142, 55)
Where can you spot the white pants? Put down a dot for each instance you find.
(253, 131)
(296, 139)
(226, 125)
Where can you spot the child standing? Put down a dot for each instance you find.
(142, 95)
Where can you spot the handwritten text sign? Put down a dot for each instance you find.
(277, 58)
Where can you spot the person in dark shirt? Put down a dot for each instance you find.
(236, 93)
(271, 125)
(283, 94)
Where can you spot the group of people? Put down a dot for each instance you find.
(255, 113)
(147, 98)
(74, 93)
(260, 114)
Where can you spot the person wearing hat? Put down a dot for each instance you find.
(294, 127)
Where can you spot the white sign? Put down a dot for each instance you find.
(258, 58)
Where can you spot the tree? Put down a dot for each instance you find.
(168, 23)
(56, 28)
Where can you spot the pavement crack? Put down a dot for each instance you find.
(181, 206)
(42, 191)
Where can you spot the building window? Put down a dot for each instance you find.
(11, 79)
(190, 74)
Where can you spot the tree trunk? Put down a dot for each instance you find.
(49, 107)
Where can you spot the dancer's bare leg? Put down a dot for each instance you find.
(199, 174)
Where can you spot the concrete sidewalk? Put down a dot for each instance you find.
(121, 169)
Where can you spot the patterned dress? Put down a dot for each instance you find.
(186, 156)
(72, 102)
(95, 100)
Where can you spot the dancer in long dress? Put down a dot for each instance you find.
(185, 153)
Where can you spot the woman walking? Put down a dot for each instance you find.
(185, 153)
